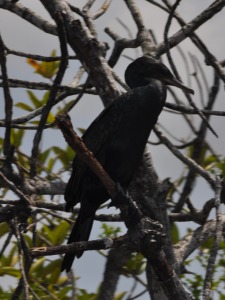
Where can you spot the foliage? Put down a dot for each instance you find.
(45, 69)
(47, 226)
(45, 278)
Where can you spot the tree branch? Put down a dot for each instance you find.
(29, 15)
(59, 19)
(188, 161)
(189, 29)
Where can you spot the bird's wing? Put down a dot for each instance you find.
(101, 130)
(104, 126)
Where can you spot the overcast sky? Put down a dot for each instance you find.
(22, 36)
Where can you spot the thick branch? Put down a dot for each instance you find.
(30, 16)
(89, 51)
(64, 123)
(191, 242)
(106, 243)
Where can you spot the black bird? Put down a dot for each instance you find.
(117, 137)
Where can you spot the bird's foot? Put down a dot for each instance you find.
(121, 197)
(130, 213)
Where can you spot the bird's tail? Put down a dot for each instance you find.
(80, 232)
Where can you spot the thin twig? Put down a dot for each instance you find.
(191, 111)
(207, 286)
(198, 82)
(21, 260)
(13, 188)
(8, 100)
(174, 68)
(57, 81)
(191, 27)
(198, 144)
(143, 35)
(70, 89)
(38, 57)
(210, 59)
(102, 10)
(6, 243)
(30, 16)
(188, 161)
(166, 31)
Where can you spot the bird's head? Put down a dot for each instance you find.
(141, 71)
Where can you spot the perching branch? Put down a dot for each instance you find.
(102, 244)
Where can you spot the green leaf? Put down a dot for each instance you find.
(84, 295)
(36, 102)
(62, 280)
(10, 271)
(24, 106)
(51, 118)
(17, 137)
(120, 296)
(53, 53)
(207, 244)
(52, 271)
(4, 228)
(6, 295)
(45, 98)
(44, 155)
(135, 265)
(47, 233)
(65, 107)
(109, 231)
(45, 69)
(51, 163)
(37, 266)
(65, 156)
(64, 292)
(60, 232)
(82, 130)
(11, 258)
(175, 233)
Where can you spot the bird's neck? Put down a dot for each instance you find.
(152, 99)
(157, 90)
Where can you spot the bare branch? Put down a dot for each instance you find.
(13, 188)
(185, 247)
(57, 81)
(188, 161)
(64, 123)
(189, 29)
(207, 286)
(8, 101)
(187, 110)
(37, 57)
(30, 16)
(100, 244)
(209, 58)
(143, 36)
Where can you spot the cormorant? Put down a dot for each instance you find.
(117, 138)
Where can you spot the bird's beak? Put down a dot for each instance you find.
(175, 82)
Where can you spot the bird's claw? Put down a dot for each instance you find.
(122, 193)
